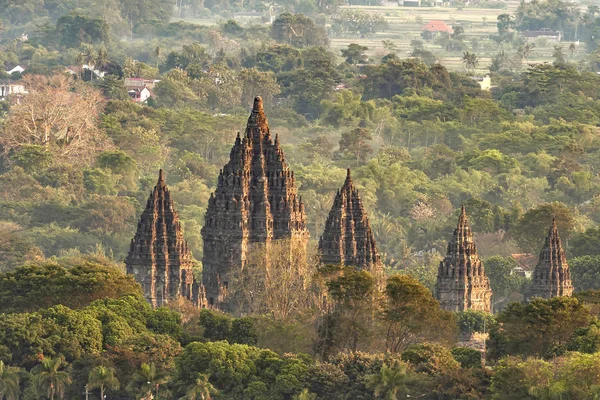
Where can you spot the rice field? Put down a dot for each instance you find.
(405, 25)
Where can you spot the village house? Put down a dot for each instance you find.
(13, 69)
(139, 95)
(435, 28)
(11, 89)
(81, 69)
(140, 89)
(544, 33)
(525, 264)
(131, 83)
(485, 82)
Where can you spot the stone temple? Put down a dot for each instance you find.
(159, 257)
(551, 277)
(461, 281)
(348, 238)
(255, 201)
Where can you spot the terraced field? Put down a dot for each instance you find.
(405, 24)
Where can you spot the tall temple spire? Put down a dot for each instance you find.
(159, 257)
(461, 282)
(551, 277)
(348, 238)
(255, 201)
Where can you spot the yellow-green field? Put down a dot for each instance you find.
(405, 25)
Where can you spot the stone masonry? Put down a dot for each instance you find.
(348, 238)
(461, 281)
(255, 201)
(159, 257)
(551, 277)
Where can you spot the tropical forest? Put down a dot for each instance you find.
(299, 200)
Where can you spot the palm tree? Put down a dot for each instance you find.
(129, 67)
(146, 379)
(391, 382)
(470, 60)
(9, 381)
(49, 380)
(200, 390)
(525, 51)
(102, 61)
(103, 378)
(89, 58)
(80, 62)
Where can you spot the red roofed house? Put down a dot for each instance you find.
(435, 28)
(140, 83)
(526, 264)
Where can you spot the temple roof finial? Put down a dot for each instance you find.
(258, 105)
(348, 178)
(161, 176)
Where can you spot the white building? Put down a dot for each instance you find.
(8, 89)
(16, 69)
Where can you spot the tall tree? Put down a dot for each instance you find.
(394, 382)
(470, 60)
(354, 305)
(157, 53)
(408, 313)
(356, 144)
(559, 55)
(147, 379)
(202, 389)
(298, 30)
(10, 381)
(59, 114)
(541, 328)
(531, 229)
(102, 61)
(355, 54)
(103, 378)
(525, 51)
(89, 58)
(50, 378)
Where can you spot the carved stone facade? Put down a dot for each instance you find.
(255, 201)
(551, 277)
(348, 238)
(461, 281)
(159, 257)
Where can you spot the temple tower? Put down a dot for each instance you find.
(348, 238)
(255, 201)
(551, 277)
(461, 281)
(159, 257)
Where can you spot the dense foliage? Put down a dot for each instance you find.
(78, 158)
